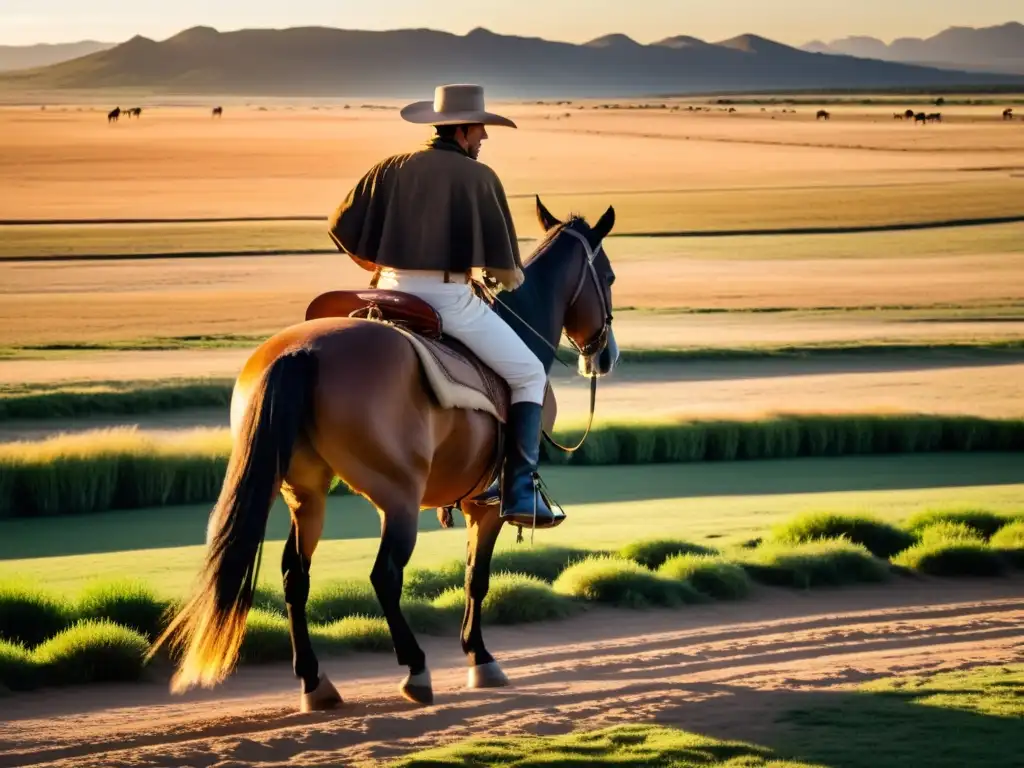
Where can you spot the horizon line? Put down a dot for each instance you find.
(498, 34)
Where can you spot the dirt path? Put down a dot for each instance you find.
(719, 669)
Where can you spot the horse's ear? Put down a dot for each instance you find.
(604, 226)
(545, 217)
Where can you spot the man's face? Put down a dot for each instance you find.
(474, 136)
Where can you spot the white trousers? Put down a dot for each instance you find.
(466, 317)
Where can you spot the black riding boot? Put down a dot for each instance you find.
(521, 503)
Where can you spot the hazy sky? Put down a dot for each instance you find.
(789, 21)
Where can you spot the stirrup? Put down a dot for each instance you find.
(557, 513)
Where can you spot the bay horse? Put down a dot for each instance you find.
(346, 397)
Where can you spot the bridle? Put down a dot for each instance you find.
(592, 346)
(596, 344)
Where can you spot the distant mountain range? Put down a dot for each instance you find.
(44, 54)
(992, 49)
(318, 61)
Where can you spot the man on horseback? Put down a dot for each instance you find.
(433, 222)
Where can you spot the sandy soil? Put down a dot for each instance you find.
(722, 670)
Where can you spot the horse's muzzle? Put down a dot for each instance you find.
(603, 362)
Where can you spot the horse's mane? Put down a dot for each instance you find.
(552, 234)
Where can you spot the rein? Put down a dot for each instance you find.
(588, 349)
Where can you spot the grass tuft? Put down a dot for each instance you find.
(338, 599)
(129, 603)
(984, 522)
(1009, 542)
(428, 583)
(880, 538)
(357, 633)
(623, 746)
(30, 615)
(18, 668)
(545, 562)
(821, 563)
(266, 638)
(710, 575)
(513, 598)
(621, 582)
(92, 652)
(651, 553)
(951, 549)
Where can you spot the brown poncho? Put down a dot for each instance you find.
(433, 209)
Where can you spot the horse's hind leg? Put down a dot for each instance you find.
(483, 526)
(305, 491)
(399, 522)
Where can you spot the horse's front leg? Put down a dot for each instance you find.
(483, 525)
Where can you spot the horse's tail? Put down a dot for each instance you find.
(208, 630)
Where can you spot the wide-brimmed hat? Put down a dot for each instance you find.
(454, 105)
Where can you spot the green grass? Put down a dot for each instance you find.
(951, 549)
(28, 615)
(880, 538)
(92, 652)
(513, 598)
(123, 469)
(949, 720)
(623, 583)
(109, 398)
(711, 575)
(651, 553)
(130, 603)
(624, 746)
(983, 522)
(821, 563)
(109, 620)
(1009, 542)
(713, 505)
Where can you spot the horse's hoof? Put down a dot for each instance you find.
(487, 675)
(418, 688)
(324, 697)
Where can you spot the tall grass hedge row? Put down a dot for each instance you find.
(102, 634)
(125, 469)
(114, 399)
(140, 397)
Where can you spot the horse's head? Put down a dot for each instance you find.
(588, 314)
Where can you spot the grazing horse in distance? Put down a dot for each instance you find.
(113, 115)
(822, 115)
(1008, 114)
(135, 112)
(217, 111)
(909, 114)
(897, 115)
(921, 117)
(345, 395)
(934, 117)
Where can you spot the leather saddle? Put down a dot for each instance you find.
(459, 366)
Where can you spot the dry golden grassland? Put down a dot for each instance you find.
(663, 170)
